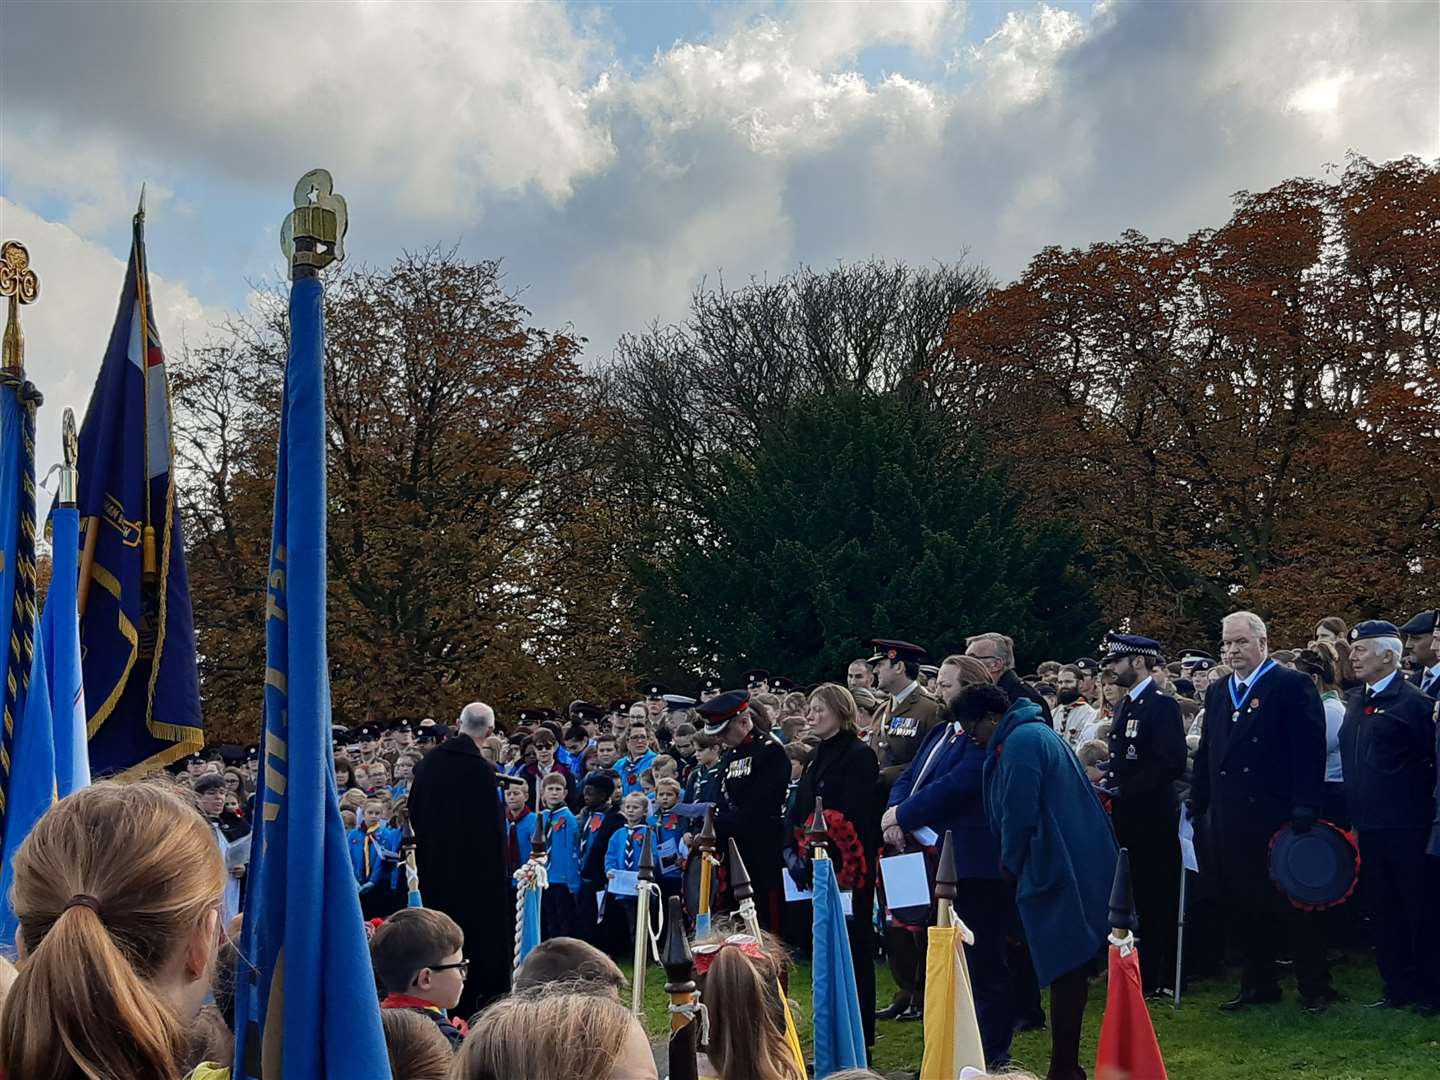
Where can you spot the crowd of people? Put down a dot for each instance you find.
(129, 895)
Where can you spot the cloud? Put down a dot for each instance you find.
(68, 326)
(790, 132)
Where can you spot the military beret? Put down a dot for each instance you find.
(586, 710)
(1421, 624)
(779, 684)
(719, 711)
(755, 676)
(906, 651)
(654, 690)
(1089, 665)
(712, 685)
(1373, 628)
(1119, 646)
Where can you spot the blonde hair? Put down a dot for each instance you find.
(543, 1035)
(747, 1016)
(973, 672)
(416, 1048)
(839, 701)
(108, 884)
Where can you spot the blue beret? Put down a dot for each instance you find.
(1421, 624)
(1373, 628)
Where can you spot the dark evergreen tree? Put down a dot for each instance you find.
(860, 515)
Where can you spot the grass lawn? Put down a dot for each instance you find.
(1349, 1042)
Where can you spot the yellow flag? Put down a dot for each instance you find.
(952, 1034)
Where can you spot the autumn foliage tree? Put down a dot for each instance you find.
(1250, 416)
(472, 553)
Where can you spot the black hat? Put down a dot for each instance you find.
(617, 706)
(779, 684)
(653, 690)
(754, 677)
(679, 702)
(1199, 661)
(1315, 870)
(404, 725)
(600, 782)
(887, 649)
(1420, 625)
(586, 710)
(719, 711)
(1119, 646)
(711, 685)
(536, 714)
(1089, 665)
(1373, 628)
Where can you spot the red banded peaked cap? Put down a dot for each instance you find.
(890, 649)
(719, 711)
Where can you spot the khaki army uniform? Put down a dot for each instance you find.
(900, 729)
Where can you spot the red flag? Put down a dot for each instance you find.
(1128, 1047)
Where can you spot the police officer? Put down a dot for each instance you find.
(907, 715)
(754, 777)
(1387, 748)
(1147, 756)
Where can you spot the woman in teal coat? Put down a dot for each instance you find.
(1056, 844)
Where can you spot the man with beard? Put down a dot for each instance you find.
(1072, 713)
(997, 652)
(1260, 766)
(1420, 640)
(1147, 756)
(460, 849)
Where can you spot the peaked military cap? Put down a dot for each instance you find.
(755, 676)
(654, 690)
(1373, 628)
(719, 711)
(888, 649)
(678, 702)
(1421, 624)
(781, 685)
(712, 685)
(1119, 646)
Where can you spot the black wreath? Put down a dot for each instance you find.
(845, 846)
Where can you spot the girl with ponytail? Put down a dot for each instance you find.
(740, 982)
(117, 892)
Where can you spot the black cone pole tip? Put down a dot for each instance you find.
(945, 876)
(647, 858)
(740, 886)
(678, 960)
(1122, 898)
(819, 832)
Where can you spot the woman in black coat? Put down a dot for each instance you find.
(844, 774)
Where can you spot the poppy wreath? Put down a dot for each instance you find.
(844, 843)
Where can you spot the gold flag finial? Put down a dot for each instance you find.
(313, 235)
(20, 285)
(69, 471)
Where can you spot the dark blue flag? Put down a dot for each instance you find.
(137, 634)
(305, 1001)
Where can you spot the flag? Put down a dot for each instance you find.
(49, 749)
(1128, 1047)
(136, 632)
(18, 401)
(530, 920)
(952, 1034)
(305, 1002)
(839, 1032)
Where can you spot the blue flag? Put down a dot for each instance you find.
(530, 920)
(307, 1007)
(839, 1032)
(49, 748)
(18, 401)
(137, 632)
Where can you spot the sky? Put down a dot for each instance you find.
(614, 155)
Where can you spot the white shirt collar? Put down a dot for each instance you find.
(1139, 688)
(1376, 687)
(903, 694)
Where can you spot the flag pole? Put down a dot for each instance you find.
(679, 963)
(946, 882)
(706, 845)
(645, 878)
(1180, 931)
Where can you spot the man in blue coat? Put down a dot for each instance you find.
(942, 789)
(1056, 844)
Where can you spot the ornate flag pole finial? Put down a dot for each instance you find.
(313, 235)
(69, 470)
(19, 285)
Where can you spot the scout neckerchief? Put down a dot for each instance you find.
(630, 831)
(1235, 680)
(370, 831)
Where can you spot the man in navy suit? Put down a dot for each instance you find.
(1261, 766)
(1147, 756)
(943, 789)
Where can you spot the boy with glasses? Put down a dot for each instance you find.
(419, 962)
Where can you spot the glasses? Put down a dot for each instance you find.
(463, 967)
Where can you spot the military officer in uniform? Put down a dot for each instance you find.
(909, 711)
(901, 724)
(1147, 756)
(1387, 747)
(1260, 766)
(1421, 639)
(754, 777)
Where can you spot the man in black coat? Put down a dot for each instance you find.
(997, 653)
(1147, 756)
(754, 778)
(1424, 645)
(1260, 766)
(1387, 747)
(460, 851)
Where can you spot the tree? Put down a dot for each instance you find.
(471, 550)
(1243, 418)
(853, 516)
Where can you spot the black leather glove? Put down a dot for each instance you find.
(799, 868)
(1302, 818)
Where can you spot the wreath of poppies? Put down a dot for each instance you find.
(844, 844)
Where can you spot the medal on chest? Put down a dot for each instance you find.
(1132, 727)
(1131, 754)
(904, 727)
(738, 769)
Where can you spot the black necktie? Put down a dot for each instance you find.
(1242, 690)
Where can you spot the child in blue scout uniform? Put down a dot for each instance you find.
(670, 827)
(519, 825)
(621, 854)
(638, 757)
(562, 838)
(374, 848)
